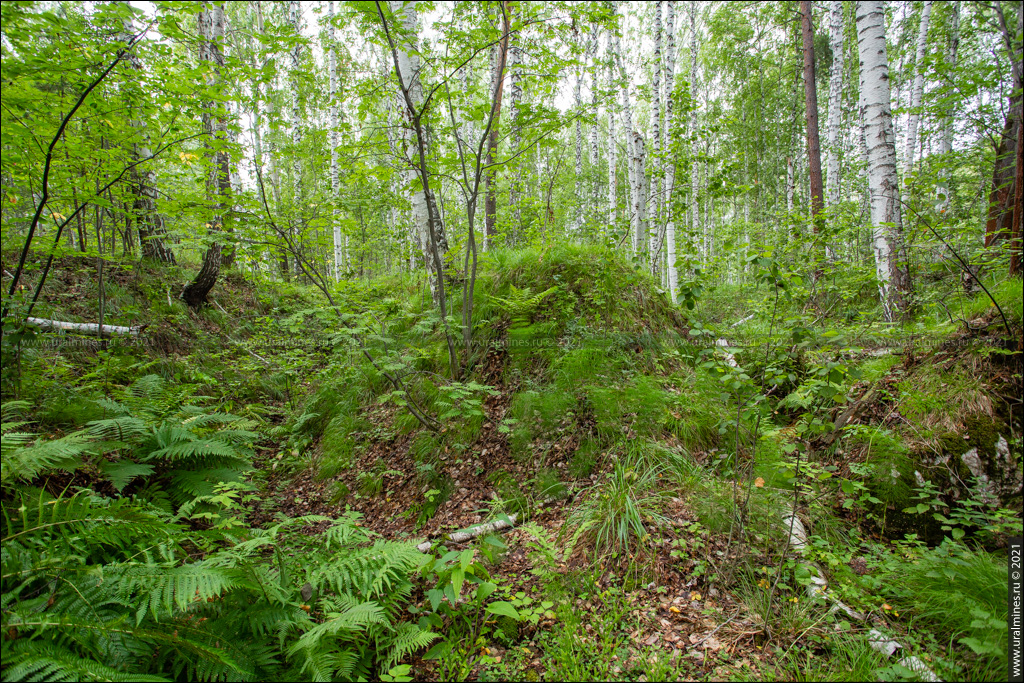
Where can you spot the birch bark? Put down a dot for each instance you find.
(917, 94)
(694, 145)
(210, 24)
(883, 182)
(670, 170)
(637, 198)
(613, 150)
(837, 21)
(946, 134)
(658, 167)
(332, 64)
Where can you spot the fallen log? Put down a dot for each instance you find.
(472, 532)
(89, 329)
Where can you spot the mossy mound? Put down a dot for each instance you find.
(597, 288)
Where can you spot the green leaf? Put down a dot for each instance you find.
(458, 577)
(503, 609)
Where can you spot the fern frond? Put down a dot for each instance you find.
(351, 621)
(407, 639)
(122, 428)
(34, 661)
(26, 463)
(159, 589)
(197, 448)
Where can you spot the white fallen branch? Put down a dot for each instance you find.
(740, 322)
(90, 329)
(472, 532)
(729, 358)
(818, 587)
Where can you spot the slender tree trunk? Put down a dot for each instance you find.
(670, 170)
(946, 135)
(883, 182)
(577, 219)
(635, 168)
(425, 209)
(694, 145)
(837, 25)
(917, 94)
(658, 165)
(515, 97)
(144, 207)
(218, 181)
(594, 150)
(811, 107)
(497, 89)
(613, 149)
(332, 64)
(295, 16)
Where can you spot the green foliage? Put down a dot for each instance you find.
(107, 590)
(522, 304)
(961, 593)
(615, 519)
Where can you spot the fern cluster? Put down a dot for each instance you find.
(126, 587)
(101, 589)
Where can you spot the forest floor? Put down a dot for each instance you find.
(649, 473)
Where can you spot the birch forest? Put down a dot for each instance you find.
(500, 340)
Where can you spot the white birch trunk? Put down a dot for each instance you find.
(332, 64)
(409, 72)
(637, 198)
(592, 59)
(515, 97)
(694, 146)
(658, 167)
(837, 23)
(613, 150)
(946, 136)
(917, 94)
(295, 16)
(577, 219)
(883, 182)
(670, 170)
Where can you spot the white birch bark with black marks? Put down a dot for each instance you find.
(409, 67)
(695, 232)
(594, 149)
(917, 94)
(613, 149)
(577, 218)
(883, 180)
(670, 169)
(210, 24)
(837, 23)
(515, 116)
(332, 65)
(637, 198)
(295, 17)
(946, 122)
(658, 165)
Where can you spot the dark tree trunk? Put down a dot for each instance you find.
(149, 222)
(813, 142)
(1004, 208)
(218, 181)
(999, 225)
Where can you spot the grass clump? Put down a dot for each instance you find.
(961, 593)
(615, 519)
